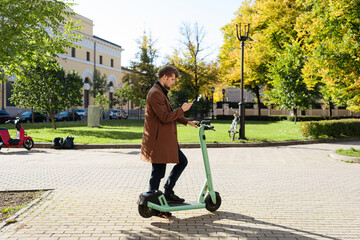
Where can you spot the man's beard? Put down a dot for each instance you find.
(166, 87)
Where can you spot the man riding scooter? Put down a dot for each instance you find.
(159, 143)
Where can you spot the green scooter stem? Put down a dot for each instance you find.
(207, 188)
(208, 185)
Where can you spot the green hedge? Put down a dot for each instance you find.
(317, 118)
(253, 118)
(281, 118)
(332, 128)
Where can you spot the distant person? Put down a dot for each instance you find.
(159, 143)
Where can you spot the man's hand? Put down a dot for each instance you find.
(186, 106)
(193, 123)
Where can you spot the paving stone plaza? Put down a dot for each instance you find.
(284, 192)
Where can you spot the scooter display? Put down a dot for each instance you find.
(20, 139)
(153, 202)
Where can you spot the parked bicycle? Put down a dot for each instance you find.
(234, 126)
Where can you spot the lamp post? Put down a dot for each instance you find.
(3, 90)
(223, 103)
(242, 37)
(212, 102)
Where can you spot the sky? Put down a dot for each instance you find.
(123, 22)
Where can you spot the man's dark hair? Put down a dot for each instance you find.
(168, 71)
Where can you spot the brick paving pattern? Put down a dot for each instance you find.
(292, 192)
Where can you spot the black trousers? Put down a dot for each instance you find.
(158, 172)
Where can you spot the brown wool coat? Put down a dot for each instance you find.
(159, 142)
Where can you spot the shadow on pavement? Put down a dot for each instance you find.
(107, 133)
(206, 225)
(319, 147)
(6, 151)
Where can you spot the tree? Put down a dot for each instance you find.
(271, 29)
(99, 84)
(331, 32)
(33, 30)
(125, 94)
(178, 97)
(47, 88)
(197, 75)
(288, 89)
(103, 102)
(141, 104)
(143, 71)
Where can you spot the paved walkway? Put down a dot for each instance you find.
(292, 192)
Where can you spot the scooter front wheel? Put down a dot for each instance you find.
(209, 205)
(28, 144)
(145, 211)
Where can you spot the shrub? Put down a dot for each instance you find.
(282, 118)
(332, 128)
(253, 118)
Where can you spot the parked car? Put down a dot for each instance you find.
(26, 117)
(67, 116)
(118, 114)
(81, 112)
(4, 116)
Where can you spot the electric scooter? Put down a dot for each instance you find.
(20, 139)
(152, 202)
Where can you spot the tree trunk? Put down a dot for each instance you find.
(257, 92)
(52, 119)
(295, 114)
(32, 115)
(330, 108)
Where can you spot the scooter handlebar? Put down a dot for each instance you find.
(207, 125)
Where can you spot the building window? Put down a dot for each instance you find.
(101, 58)
(88, 56)
(112, 62)
(317, 106)
(73, 52)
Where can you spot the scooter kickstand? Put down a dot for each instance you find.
(165, 215)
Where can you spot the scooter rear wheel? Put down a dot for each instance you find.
(209, 205)
(145, 211)
(28, 144)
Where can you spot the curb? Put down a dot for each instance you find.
(345, 158)
(12, 219)
(209, 145)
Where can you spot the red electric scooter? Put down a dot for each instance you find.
(20, 139)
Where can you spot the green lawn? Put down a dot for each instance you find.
(352, 152)
(130, 131)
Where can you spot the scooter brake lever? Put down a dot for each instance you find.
(209, 127)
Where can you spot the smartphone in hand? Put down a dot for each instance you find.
(193, 100)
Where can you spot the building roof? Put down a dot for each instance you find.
(233, 94)
(101, 39)
(126, 69)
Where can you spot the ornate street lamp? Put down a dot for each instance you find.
(212, 101)
(242, 37)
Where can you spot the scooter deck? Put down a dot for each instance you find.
(183, 204)
(171, 207)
